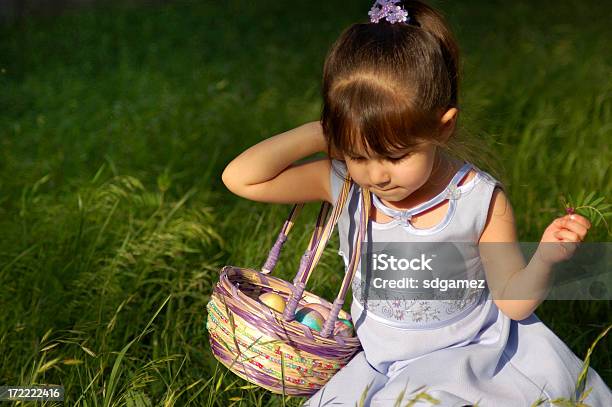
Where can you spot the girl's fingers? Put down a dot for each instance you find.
(574, 223)
(576, 227)
(580, 219)
(567, 236)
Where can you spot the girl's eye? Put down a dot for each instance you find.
(357, 159)
(392, 159)
(398, 159)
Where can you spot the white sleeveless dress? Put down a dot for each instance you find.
(462, 351)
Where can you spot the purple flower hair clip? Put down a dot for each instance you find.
(389, 11)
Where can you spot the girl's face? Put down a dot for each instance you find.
(395, 177)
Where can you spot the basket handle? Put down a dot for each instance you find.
(302, 276)
(328, 327)
(274, 253)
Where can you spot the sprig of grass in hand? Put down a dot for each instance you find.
(591, 207)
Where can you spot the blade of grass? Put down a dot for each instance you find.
(115, 373)
(581, 383)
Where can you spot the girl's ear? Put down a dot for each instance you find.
(447, 123)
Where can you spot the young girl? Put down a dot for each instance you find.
(390, 92)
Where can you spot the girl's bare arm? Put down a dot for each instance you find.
(519, 288)
(267, 172)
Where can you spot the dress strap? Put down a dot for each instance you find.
(451, 192)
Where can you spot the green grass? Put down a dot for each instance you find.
(116, 123)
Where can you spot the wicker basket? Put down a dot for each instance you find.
(271, 349)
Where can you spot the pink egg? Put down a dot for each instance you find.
(346, 322)
(343, 329)
(320, 308)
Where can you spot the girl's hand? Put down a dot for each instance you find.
(321, 141)
(562, 237)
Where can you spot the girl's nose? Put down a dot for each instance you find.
(378, 176)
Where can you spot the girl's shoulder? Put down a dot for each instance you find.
(478, 175)
(482, 195)
(337, 176)
(339, 165)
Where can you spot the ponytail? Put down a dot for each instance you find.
(434, 23)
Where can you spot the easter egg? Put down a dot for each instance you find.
(320, 308)
(346, 322)
(343, 328)
(273, 300)
(310, 317)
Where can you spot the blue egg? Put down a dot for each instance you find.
(309, 317)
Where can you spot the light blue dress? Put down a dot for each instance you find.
(461, 352)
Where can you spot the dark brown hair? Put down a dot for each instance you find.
(388, 85)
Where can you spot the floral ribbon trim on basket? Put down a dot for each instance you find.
(275, 349)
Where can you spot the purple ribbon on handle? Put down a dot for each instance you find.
(274, 253)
